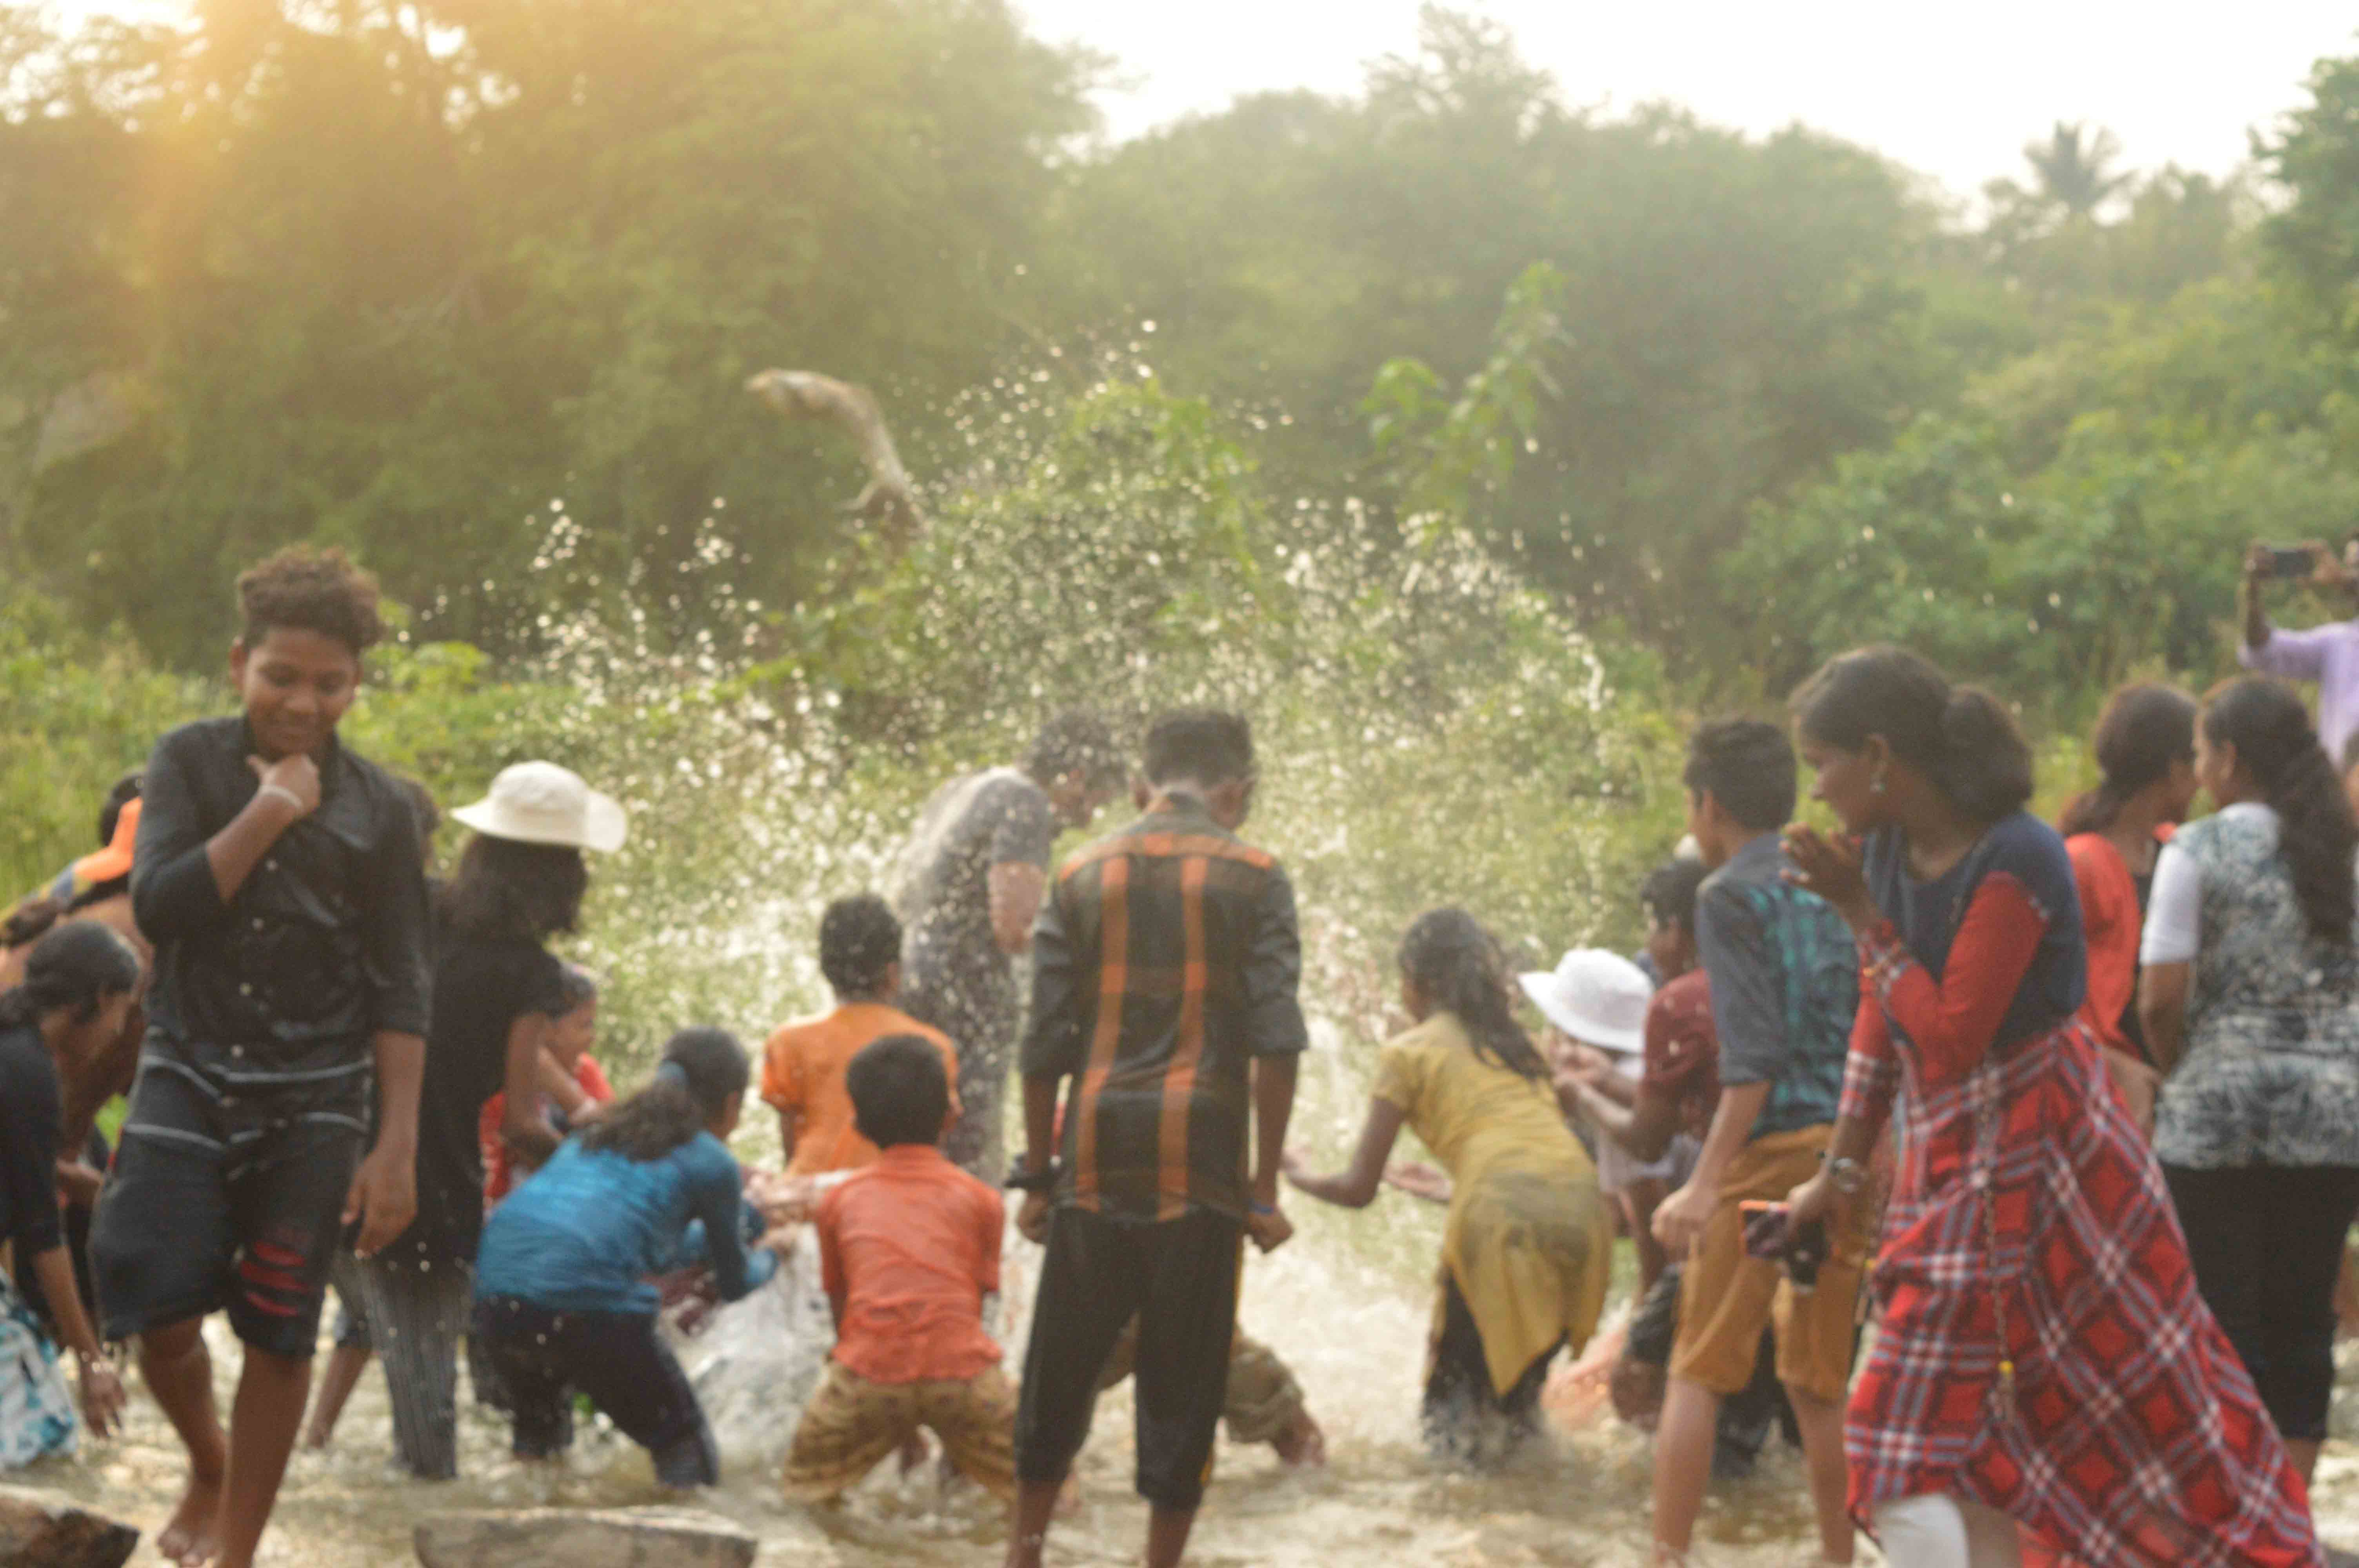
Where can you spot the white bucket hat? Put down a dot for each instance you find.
(541, 802)
(1598, 998)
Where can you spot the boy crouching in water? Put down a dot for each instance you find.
(909, 1249)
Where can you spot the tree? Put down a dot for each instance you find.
(2074, 168)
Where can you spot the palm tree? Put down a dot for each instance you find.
(2074, 169)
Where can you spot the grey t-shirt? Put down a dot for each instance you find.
(942, 883)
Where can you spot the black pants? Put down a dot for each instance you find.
(617, 1358)
(2266, 1242)
(1179, 1279)
(1464, 1418)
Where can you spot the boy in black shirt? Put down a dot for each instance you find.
(280, 877)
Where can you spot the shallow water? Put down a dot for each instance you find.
(1351, 1330)
(1346, 1304)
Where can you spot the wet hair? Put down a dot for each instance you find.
(1747, 766)
(308, 590)
(1076, 741)
(1670, 893)
(76, 965)
(577, 987)
(859, 939)
(1960, 738)
(1457, 966)
(1206, 744)
(110, 812)
(508, 890)
(702, 1069)
(2316, 835)
(2145, 729)
(899, 1092)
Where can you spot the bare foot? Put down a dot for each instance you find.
(1301, 1444)
(191, 1536)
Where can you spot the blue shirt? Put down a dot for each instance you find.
(586, 1231)
(1785, 986)
(1929, 913)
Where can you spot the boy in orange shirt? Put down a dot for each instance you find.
(803, 1066)
(909, 1250)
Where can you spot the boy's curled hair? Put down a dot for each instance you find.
(310, 589)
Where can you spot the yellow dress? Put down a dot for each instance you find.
(1527, 1240)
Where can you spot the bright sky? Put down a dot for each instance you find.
(1955, 91)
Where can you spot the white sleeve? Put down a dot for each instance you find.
(2174, 910)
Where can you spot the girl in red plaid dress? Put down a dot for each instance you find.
(2042, 1358)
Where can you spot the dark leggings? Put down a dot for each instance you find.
(617, 1358)
(2266, 1242)
(1466, 1421)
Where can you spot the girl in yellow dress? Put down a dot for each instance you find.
(1527, 1248)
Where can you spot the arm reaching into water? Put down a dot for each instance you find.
(1356, 1185)
(718, 1201)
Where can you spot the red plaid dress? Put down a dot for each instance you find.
(2027, 1209)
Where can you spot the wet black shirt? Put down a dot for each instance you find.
(942, 884)
(31, 1112)
(481, 989)
(324, 947)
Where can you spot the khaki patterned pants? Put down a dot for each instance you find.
(853, 1424)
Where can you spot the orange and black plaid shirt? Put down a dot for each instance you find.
(1166, 958)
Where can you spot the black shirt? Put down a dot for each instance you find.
(31, 1111)
(324, 946)
(481, 989)
(943, 884)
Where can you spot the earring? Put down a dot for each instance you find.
(1875, 785)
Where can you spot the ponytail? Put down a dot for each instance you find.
(76, 967)
(701, 1069)
(1450, 957)
(2317, 836)
(1960, 738)
(2146, 731)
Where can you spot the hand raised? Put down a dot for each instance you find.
(1829, 866)
(293, 782)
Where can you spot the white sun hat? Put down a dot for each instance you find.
(541, 802)
(1598, 998)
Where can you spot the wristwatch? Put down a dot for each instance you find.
(1847, 1174)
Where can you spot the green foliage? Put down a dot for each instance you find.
(75, 712)
(2078, 519)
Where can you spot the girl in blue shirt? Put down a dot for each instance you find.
(562, 1300)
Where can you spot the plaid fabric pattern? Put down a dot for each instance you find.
(1167, 960)
(2025, 1197)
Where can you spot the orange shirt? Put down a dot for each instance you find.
(499, 1167)
(908, 1251)
(803, 1071)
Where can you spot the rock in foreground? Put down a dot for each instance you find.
(583, 1538)
(41, 1530)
